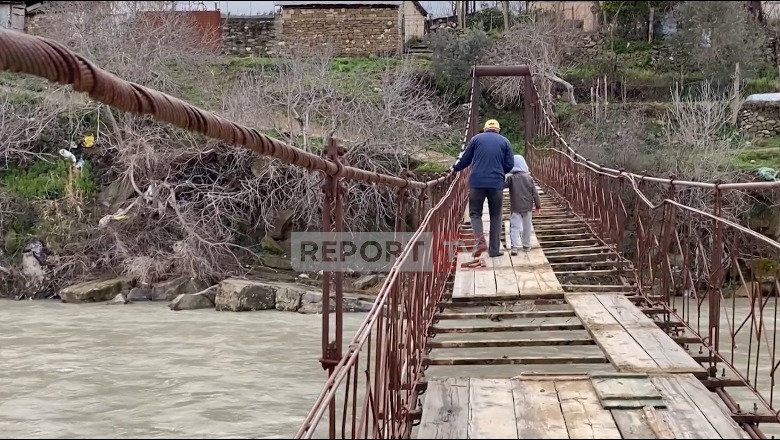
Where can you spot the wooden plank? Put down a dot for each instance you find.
(445, 409)
(624, 311)
(623, 352)
(537, 410)
(491, 409)
(657, 424)
(484, 283)
(669, 356)
(463, 284)
(548, 281)
(632, 424)
(591, 311)
(684, 418)
(582, 412)
(710, 405)
(506, 283)
(527, 283)
(627, 392)
(499, 262)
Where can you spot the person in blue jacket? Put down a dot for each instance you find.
(490, 157)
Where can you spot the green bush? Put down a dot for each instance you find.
(46, 180)
(454, 55)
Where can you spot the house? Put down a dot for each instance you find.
(580, 14)
(350, 28)
(13, 15)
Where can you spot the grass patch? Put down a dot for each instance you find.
(760, 85)
(46, 180)
(430, 167)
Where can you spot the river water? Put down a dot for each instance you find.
(143, 371)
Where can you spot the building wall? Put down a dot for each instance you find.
(244, 36)
(351, 31)
(414, 22)
(571, 11)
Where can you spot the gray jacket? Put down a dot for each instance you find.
(522, 192)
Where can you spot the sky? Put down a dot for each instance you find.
(435, 8)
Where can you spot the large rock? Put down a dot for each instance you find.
(271, 245)
(211, 293)
(311, 303)
(191, 301)
(95, 291)
(288, 299)
(282, 226)
(277, 262)
(168, 290)
(366, 281)
(139, 294)
(118, 299)
(239, 295)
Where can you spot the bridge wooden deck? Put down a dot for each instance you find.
(562, 347)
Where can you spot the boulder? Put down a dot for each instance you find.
(366, 282)
(271, 245)
(210, 293)
(168, 290)
(191, 301)
(239, 295)
(282, 226)
(139, 294)
(277, 262)
(95, 291)
(746, 290)
(288, 299)
(118, 299)
(311, 303)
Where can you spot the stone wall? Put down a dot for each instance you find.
(350, 31)
(250, 35)
(760, 119)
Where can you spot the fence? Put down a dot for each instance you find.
(691, 261)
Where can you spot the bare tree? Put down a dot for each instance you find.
(540, 43)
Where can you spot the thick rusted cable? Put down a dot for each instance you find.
(48, 59)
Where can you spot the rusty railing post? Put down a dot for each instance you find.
(528, 114)
(476, 94)
(716, 271)
(332, 222)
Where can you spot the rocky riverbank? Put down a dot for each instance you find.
(232, 294)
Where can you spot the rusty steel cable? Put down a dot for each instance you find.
(49, 59)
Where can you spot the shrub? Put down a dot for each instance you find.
(453, 56)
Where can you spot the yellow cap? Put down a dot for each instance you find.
(492, 124)
(89, 141)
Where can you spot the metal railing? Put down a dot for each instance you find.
(692, 262)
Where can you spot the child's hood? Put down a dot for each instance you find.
(520, 165)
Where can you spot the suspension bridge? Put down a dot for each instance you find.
(621, 321)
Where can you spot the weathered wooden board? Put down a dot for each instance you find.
(582, 412)
(491, 409)
(484, 282)
(710, 405)
(624, 311)
(445, 409)
(537, 410)
(591, 311)
(683, 416)
(626, 392)
(463, 284)
(632, 424)
(506, 283)
(669, 356)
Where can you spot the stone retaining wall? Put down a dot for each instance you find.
(760, 119)
(244, 36)
(350, 31)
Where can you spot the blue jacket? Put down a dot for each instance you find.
(490, 157)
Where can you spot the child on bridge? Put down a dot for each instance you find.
(522, 197)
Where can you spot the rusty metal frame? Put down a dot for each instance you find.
(680, 250)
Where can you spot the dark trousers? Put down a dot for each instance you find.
(495, 198)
